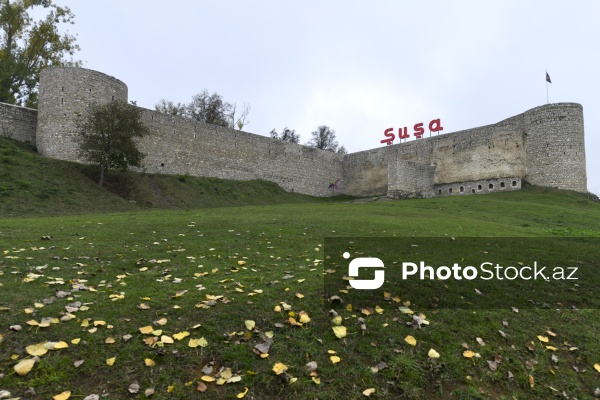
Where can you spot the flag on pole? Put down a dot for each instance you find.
(548, 78)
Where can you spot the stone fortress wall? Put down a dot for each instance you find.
(544, 146)
(18, 123)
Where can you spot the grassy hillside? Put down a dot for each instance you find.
(35, 185)
(177, 301)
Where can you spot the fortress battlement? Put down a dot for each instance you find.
(543, 146)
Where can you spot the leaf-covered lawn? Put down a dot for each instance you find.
(227, 303)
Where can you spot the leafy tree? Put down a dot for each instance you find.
(287, 135)
(28, 46)
(208, 108)
(106, 137)
(168, 107)
(324, 138)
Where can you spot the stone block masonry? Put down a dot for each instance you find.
(543, 146)
(18, 123)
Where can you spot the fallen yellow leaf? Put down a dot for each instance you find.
(410, 340)
(279, 368)
(597, 367)
(304, 318)
(181, 335)
(368, 392)
(242, 394)
(250, 324)
(543, 339)
(208, 378)
(63, 396)
(36, 349)
(433, 354)
(166, 339)
(339, 331)
(198, 342)
(335, 359)
(149, 362)
(146, 330)
(24, 366)
(468, 354)
(111, 361)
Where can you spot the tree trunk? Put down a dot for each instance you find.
(101, 180)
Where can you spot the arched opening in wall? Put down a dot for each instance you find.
(491, 186)
(440, 191)
(450, 190)
(479, 187)
(514, 183)
(473, 191)
(501, 184)
(462, 189)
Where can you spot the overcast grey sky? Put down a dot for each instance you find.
(356, 66)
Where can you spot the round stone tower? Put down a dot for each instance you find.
(66, 95)
(555, 146)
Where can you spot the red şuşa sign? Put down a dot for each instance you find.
(434, 126)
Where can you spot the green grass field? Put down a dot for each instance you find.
(218, 286)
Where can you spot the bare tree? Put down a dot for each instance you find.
(242, 119)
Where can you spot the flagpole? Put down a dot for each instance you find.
(547, 98)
